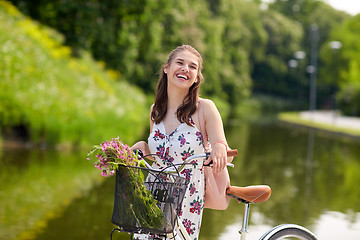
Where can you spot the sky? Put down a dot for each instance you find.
(350, 6)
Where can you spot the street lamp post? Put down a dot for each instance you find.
(296, 63)
(299, 55)
(335, 45)
(312, 69)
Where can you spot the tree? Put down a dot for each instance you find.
(244, 39)
(325, 18)
(342, 67)
(134, 37)
(271, 73)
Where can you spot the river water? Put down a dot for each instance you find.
(314, 179)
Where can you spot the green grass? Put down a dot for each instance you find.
(294, 118)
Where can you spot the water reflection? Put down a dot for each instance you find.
(310, 173)
(37, 186)
(314, 178)
(87, 217)
(309, 162)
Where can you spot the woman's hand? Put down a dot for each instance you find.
(143, 146)
(218, 155)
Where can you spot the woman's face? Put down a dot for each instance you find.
(183, 70)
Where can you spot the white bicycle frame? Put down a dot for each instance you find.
(181, 230)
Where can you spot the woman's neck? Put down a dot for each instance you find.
(175, 99)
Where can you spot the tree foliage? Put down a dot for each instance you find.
(310, 13)
(342, 65)
(134, 37)
(245, 49)
(271, 74)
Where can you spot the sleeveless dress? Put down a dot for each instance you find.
(183, 142)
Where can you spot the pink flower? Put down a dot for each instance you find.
(111, 153)
(104, 173)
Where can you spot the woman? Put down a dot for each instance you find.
(174, 128)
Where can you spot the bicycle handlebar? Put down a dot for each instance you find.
(230, 153)
(206, 155)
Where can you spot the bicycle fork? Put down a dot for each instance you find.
(243, 232)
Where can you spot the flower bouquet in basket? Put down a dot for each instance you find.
(134, 204)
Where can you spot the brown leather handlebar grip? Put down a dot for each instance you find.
(232, 153)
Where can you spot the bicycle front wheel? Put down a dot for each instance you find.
(288, 231)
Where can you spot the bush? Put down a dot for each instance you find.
(57, 98)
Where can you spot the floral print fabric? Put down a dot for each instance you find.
(183, 142)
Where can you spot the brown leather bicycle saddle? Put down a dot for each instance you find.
(250, 194)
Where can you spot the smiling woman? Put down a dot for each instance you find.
(182, 73)
(174, 130)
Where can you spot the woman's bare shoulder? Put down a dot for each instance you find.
(207, 104)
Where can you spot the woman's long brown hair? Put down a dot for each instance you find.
(188, 106)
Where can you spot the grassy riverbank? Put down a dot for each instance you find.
(49, 97)
(296, 119)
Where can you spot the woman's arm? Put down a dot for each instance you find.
(215, 130)
(142, 145)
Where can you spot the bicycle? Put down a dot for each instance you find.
(170, 194)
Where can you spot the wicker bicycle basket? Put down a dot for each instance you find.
(164, 190)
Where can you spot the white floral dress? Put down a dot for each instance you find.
(183, 142)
